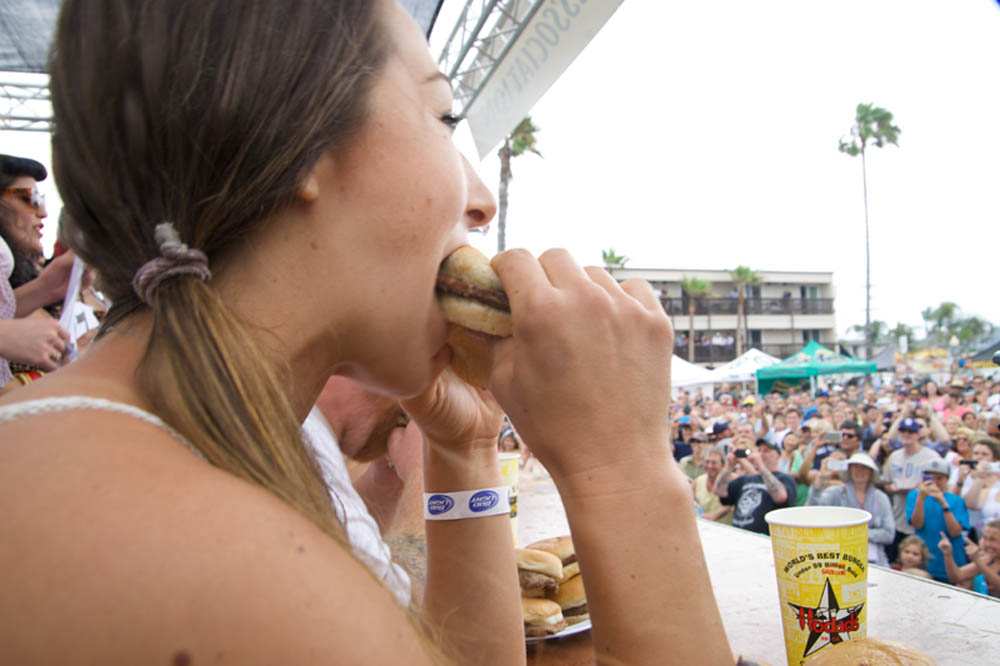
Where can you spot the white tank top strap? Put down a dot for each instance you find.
(68, 403)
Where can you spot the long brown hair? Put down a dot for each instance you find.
(208, 115)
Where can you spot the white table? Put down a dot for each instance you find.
(953, 626)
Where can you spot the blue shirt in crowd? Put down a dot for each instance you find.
(934, 525)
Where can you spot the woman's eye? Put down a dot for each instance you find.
(451, 120)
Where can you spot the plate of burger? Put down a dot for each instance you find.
(553, 599)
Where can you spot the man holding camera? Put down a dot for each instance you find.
(902, 473)
(762, 489)
(936, 514)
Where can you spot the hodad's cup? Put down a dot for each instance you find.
(821, 563)
(509, 469)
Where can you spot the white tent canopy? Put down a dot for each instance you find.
(683, 374)
(744, 368)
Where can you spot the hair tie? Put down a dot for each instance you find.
(175, 259)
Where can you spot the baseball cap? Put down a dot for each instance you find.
(771, 445)
(937, 467)
(684, 420)
(720, 427)
(909, 425)
(749, 400)
(822, 393)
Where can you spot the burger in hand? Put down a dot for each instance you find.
(476, 306)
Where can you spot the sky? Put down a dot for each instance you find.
(703, 135)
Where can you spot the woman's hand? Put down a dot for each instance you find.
(586, 376)
(455, 415)
(39, 341)
(944, 545)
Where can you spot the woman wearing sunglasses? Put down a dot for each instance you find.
(35, 341)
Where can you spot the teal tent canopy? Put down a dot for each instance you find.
(811, 361)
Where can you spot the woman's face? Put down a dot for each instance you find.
(911, 557)
(790, 442)
(962, 446)
(860, 474)
(981, 452)
(970, 420)
(990, 541)
(393, 203)
(24, 226)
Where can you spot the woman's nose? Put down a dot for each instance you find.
(481, 206)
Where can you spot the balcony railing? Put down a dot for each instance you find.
(717, 354)
(754, 306)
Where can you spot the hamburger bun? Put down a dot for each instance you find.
(572, 599)
(542, 617)
(471, 354)
(561, 547)
(473, 300)
(538, 572)
(869, 652)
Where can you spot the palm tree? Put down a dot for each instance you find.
(520, 141)
(872, 126)
(696, 289)
(613, 259)
(878, 330)
(971, 329)
(901, 330)
(742, 277)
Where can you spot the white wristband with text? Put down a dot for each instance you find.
(480, 503)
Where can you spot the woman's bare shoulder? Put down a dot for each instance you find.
(121, 546)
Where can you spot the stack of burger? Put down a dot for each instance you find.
(552, 594)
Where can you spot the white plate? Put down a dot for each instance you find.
(577, 628)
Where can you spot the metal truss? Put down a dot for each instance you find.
(483, 35)
(25, 107)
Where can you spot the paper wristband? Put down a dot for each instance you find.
(480, 503)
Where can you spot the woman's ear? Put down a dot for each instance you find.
(308, 190)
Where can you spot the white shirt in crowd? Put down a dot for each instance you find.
(906, 472)
(362, 530)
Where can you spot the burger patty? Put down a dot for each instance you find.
(531, 580)
(456, 287)
(579, 610)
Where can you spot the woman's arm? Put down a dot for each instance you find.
(49, 287)
(882, 529)
(574, 331)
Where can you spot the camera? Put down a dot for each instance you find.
(837, 465)
(968, 463)
(833, 438)
(741, 453)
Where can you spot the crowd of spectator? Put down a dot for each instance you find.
(921, 458)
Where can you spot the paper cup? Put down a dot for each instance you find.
(509, 467)
(821, 563)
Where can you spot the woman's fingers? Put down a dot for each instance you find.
(563, 272)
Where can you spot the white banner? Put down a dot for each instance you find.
(557, 33)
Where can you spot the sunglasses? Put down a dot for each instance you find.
(29, 195)
(848, 435)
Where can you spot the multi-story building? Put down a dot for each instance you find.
(783, 312)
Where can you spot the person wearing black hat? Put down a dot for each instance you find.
(34, 341)
(24, 211)
(762, 489)
(903, 472)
